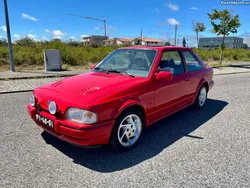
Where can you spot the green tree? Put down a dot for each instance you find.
(167, 44)
(184, 42)
(73, 43)
(198, 27)
(224, 23)
(25, 42)
(3, 42)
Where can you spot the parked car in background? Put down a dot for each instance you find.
(129, 90)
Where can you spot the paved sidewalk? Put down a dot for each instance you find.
(232, 69)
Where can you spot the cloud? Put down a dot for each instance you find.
(45, 38)
(84, 35)
(72, 38)
(172, 7)
(3, 28)
(47, 30)
(31, 36)
(97, 28)
(173, 21)
(17, 37)
(29, 17)
(194, 8)
(157, 10)
(57, 34)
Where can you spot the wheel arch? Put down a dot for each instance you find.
(202, 82)
(131, 104)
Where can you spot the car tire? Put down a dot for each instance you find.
(128, 130)
(201, 98)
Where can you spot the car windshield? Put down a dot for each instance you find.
(134, 62)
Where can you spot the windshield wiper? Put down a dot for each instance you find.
(114, 71)
(120, 72)
(101, 69)
(129, 74)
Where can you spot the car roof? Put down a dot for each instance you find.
(157, 47)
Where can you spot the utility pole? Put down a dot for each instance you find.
(12, 66)
(175, 33)
(178, 44)
(104, 21)
(105, 27)
(141, 37)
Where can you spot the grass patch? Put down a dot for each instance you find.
(28, 55)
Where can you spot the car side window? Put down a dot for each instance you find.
(171, 61)
(192, 62)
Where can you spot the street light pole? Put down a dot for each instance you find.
(12, 66)
(175, 33)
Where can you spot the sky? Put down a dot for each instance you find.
(48, 19)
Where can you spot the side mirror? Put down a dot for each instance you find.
(164, 75)
(93, 66)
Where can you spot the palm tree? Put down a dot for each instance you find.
(198, 27)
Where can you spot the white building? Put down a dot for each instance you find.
(117, 41)
(147, 41)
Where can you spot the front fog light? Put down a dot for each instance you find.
(52, 108)
(32, 100)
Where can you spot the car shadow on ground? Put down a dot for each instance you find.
(156, 139)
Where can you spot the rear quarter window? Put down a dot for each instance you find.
(192, 62)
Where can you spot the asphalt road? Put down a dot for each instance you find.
(206, 148)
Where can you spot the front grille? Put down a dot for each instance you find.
(39, 108)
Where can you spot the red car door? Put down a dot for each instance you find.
(194, 73)
(170, 95)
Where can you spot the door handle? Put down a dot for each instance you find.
(187, 79)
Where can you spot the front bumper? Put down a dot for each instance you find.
(85, 136)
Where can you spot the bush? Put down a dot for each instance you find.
(28, 52)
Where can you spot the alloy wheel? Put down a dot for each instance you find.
(129, 130)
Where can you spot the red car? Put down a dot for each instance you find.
(129, 90)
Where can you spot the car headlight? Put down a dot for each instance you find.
(32, 100)
(81, 116)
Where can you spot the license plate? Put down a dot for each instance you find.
(45, 121)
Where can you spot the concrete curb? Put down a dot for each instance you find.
(20, 91)
(29, 90)
(37, 77)
(231, 73)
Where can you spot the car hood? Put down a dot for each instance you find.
(88, 87)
